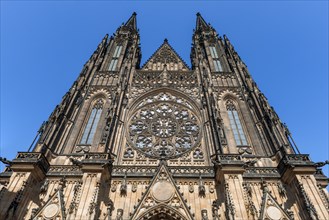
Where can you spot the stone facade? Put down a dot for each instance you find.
(163, 141)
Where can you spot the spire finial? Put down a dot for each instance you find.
(132, 21)
(165, 40)
(200, 22)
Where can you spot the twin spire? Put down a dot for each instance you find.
(165, 54)
(200, 22)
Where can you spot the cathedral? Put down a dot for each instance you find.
(164, 140)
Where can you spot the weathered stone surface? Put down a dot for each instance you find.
(164, 141)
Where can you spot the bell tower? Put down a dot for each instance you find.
(252, 145)
(164, 140)
(87, 115)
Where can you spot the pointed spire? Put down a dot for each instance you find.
(132, 22)
(200, 22)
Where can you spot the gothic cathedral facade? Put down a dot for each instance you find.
(163, 141)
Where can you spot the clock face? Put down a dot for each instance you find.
(164, 126)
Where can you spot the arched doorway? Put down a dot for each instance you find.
(162, 216)
(162, 212)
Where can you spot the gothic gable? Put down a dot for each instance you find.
(270, 208)
(165, 55)
(162, 198)
(54, 207)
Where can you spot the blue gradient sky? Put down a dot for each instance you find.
(45, 44)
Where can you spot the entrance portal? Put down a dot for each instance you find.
(162, 212)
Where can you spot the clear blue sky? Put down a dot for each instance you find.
(45, 44)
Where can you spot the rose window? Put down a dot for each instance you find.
(164, 128)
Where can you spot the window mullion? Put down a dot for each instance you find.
(88, 137)
(97, 117)
(115, 52)
(237, 122)
(119, 51)
(220, 66)
(111, 64)
(240, 129)
(115, 64)
(215, 52)
(88, 126)
(212, 52)
(234, 127)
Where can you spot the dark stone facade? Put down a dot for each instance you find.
(163, 141)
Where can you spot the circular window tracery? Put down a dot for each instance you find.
(164, 126)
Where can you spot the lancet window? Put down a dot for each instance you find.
(115, 57)
(239, 136)
(93, 120)
(215, 58)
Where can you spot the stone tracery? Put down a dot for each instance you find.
(164, 125)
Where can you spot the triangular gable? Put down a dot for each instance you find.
(165, 55)
(162, 196)
(270, 208)
(54, 207)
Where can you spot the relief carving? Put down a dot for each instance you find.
(215, 210)
(202, 188)
(204, 214)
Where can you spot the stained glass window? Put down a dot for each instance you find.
(115, 57)
(164, 126)
(216, 61)
(93, 120)
(235, 123)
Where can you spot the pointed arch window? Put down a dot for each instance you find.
(93, 120)
(215, 58)
(115, 57)
(239, 136)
